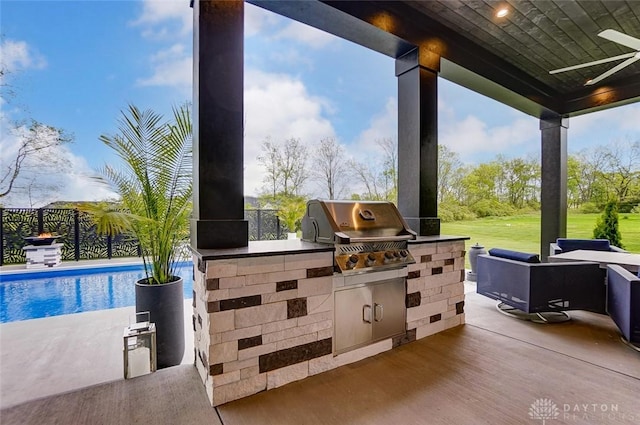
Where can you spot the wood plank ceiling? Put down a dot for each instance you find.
(542, 35)
(508, 59)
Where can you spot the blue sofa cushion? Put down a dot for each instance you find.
(525, 257)
(567, 245)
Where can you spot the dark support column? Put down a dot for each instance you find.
(553, 194)
(417, 73)
(218, 60)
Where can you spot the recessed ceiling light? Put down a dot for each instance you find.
(502, 12)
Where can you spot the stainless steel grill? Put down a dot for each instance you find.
(368, 235)
(371, 238)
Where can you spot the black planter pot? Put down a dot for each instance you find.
(165, 304)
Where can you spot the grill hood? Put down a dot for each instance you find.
(346, 222)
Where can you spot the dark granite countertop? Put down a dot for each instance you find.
(263, 249)
(293, 246)
(439, 238)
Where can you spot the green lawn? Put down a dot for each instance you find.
(522, 233)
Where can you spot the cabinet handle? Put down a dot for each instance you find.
(366, 313)
(378, 307)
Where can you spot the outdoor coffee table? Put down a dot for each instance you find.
(627, 260)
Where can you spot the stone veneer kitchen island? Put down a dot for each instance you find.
(263, 314)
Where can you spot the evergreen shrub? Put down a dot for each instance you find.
(607, 225)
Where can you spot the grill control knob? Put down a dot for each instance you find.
(388, 256)
(404, 253)
(352, 261)
(371, 259)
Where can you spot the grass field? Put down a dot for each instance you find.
(522, 233)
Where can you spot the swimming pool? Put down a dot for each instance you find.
(33, 295)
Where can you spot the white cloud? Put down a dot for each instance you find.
(473, 136)
(446, 112)
(382, 125)
(615, 121)
(278, 106)
(256, 19)
(78, 184)
(16, 55)
(162, 18)
(305, 34)
(168, 21)
(42, 182)
(172, 67)
(275, 105)
(159, 18)
(291, 58)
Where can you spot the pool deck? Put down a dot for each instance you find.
(53, 355)
(71, 265)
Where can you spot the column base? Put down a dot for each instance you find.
(219, 234)
(424, 226)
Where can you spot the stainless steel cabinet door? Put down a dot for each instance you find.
(353, 318)
(388, 308)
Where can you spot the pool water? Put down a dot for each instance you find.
(42, 294)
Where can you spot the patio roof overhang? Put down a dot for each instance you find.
(506, 59)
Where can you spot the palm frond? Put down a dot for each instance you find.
(110, 220)
(154, 182)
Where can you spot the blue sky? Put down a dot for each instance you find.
(76, 64)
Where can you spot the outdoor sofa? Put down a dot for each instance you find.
(528, 288)
(566, 245)
(623, 301)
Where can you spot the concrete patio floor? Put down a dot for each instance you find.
(47, 356)
(491, 370)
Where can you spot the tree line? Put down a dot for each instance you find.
(290, 165)
(500, 187)
(291, 168)
(595, 177)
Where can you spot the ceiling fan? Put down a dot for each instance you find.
(616, 37)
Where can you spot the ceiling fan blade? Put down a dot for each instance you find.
(598, 62)
(621, 38)
(613, 70)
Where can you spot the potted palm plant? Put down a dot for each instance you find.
(155, 188)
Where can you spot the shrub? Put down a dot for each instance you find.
(628, 205)
(607, 225)
(452, 211)
(590, 208)
(291, 210)
(492, 208)
(527, 210)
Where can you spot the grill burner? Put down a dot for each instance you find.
(370, 257)
(368, 236)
